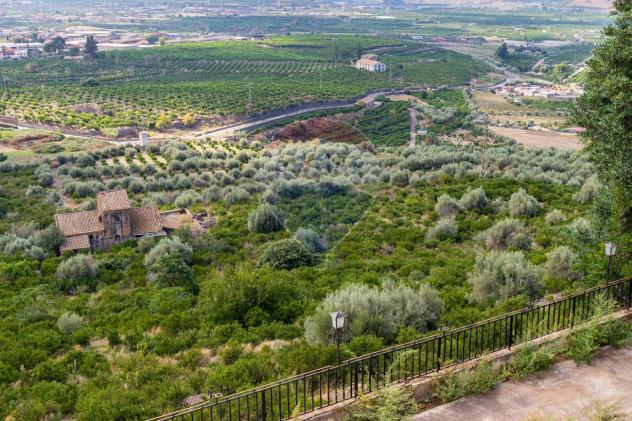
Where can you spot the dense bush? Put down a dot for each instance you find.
(69, 323)
(310, 238)
(499, 236)
(234, 195)
(555, 216)
(560, 263)
(588, 191)
(379, 312)
(522, 203)
(501, 275)
(76, 271)
(286, 254)
(444, 228)
(265, 219)
(168, 246)
(446, 206)
(474, 199)
(389, 404)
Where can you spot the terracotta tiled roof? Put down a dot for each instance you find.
(176, 218)
(145, 220)
(76, 242)
(112, 201)
(76, 223)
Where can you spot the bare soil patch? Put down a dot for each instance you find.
(325, 128)
(539, 139)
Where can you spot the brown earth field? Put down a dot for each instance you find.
(539, 139)
(323, 128)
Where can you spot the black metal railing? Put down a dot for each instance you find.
(327, 386)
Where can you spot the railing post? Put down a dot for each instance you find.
(510, 331)
(629, 294)
(263, 405)
(573, 312)
(356, 379)
(439, 352)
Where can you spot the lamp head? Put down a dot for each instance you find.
(337, 319)
(611, 249)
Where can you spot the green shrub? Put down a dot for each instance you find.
(171, 270)
(555, 217)
(390, 404)
(589, 190)
(474, 199)
(231, 352)
(530, 359)
(365, 344)
(560, 264)
(500, 234)
(310, 239)
(502, 275)
(286, 254)
(168, 246)
(522, 203)
(446, 206)
(77, 270)
(481, 379)
(521, 241)
(377, 312)
(265, 219)
(600, 330)
(69, 323)
(235, 195)
(444, 228)
(50, 370)
(400, 178)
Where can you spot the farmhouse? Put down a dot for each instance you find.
(370, 62)
(115, 221)
(15, 51)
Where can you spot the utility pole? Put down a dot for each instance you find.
(484, 158)
(249, 98)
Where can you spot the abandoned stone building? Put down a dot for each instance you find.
(115, 221)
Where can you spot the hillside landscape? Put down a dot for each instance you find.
(185, 202)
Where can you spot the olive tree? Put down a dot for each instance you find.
(377, 311)
(499, 275)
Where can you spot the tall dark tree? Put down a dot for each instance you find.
(502, 51)
(605, 110)
(56, 45)
(91, 47)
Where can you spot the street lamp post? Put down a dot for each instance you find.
(337, 322)
(611, 250)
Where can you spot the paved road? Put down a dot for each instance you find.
(565, 390)
(230, 130)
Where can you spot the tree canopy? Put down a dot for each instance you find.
(91, 46)
(605, 110)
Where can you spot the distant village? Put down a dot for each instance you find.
(570, 91)
(21, 43)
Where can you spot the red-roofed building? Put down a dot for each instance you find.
(115, 221)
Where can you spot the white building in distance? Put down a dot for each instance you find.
(370, 63)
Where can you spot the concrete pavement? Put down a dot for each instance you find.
(564, 391)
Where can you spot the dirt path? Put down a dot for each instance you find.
(565, 390)
(413, 126)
